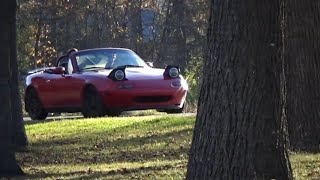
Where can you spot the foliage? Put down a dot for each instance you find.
(148, 147)
(156, 30)
(164, 32)
(193, 75)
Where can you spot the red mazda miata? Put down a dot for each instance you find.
(104, 81)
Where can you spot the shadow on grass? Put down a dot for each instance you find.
(51, 119)
(73, 117)
(121, 150)
(156, 139)
(145, 130)
(91, 174)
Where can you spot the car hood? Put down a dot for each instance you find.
(139, 73)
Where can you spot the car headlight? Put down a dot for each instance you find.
(119, 75)
(171, 72)
(174, 72)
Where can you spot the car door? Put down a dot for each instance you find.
(66, 88)
(44, 88)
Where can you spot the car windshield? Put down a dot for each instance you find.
(108, 59)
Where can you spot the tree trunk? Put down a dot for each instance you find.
(163, 53)
(136, 35)
(239, 132)
(180, 35)
(8, 164)
(302, 44)
(19, 136)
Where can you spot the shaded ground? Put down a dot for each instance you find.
(141, 147)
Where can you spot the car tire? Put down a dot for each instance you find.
(92, 104)
(34, 106)
(174, 111)
(114, 113)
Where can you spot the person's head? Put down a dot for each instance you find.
(111, 56)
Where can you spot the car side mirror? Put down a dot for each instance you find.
(59, 70)
(149, 64)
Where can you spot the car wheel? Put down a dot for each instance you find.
(114, 113)
(92, 104)
(34, 106)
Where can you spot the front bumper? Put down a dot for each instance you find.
(149, 95)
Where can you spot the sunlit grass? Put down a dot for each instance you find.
(144, 147)
(306, 166)
(148, 147)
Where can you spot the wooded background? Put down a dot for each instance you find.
(171, 32)
(268, 50)
(160, 31)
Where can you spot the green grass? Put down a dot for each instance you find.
(305, 166)
(144, 147)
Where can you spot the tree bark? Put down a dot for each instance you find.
(302, 45)
(8, 164)
(19, 136)
(239, 132)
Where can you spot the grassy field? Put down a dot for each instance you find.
(144, 147)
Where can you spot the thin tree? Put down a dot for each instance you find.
(174, 35)
(8, 164)
(303, 78)
(239, 132)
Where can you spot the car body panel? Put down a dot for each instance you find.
(144, 88)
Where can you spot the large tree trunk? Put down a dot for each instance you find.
(302, 54)
(19, 136)
(239, 132)
(8, 165)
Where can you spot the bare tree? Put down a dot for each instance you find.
(239, 132)
(174, 35)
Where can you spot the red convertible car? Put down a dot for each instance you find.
(103, 81)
